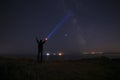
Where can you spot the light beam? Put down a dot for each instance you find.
(69, 14)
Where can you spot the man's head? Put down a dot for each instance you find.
(41, 40)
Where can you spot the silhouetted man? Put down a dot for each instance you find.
(40, 48)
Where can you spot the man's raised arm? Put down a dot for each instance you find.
(45, 40)
(37, 40)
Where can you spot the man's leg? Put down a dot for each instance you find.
(41, 56)
(38, 55)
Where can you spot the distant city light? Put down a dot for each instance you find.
(60, 54)
(96, 52)
(47, 54)
(54, 54)
(93, 52)
(100, 52)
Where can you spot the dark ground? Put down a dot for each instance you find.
(84, 69)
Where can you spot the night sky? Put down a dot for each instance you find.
(94, 25)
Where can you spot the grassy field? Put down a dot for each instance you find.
(86, 69)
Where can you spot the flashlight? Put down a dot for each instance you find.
(46, 39)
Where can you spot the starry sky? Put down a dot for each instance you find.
(94, 25)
